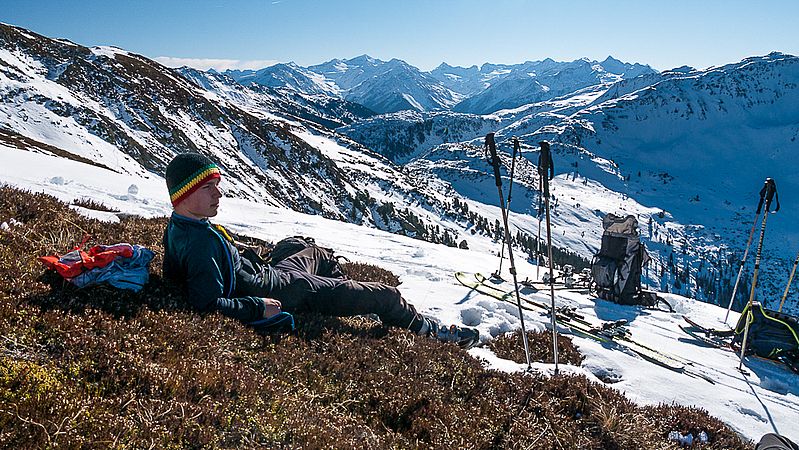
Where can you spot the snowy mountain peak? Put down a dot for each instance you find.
(448, 68)
(364, 60)
(681, 69)
(513, 86)
(286, 75)
(386, 86)
(611, 60)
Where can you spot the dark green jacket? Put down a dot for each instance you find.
(216, 277)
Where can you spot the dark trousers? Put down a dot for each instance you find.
(773, 441)
(307, 285)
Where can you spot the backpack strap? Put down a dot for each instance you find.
(226, 248)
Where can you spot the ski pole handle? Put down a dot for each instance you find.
(545, 161)
(767, 194)
(491, 146)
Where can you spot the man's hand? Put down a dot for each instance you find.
(272, 307)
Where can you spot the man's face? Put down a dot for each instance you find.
(202, 203)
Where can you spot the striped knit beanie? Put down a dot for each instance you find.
(186, 173)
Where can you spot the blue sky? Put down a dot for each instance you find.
(252, 34)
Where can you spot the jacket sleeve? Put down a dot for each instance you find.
(206, 286)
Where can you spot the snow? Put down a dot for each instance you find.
(346, 157)
(765, 399)
(94, 214)
(68, 180)
(109, 51)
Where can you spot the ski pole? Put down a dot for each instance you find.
(545, 165)
(512, 167)
(790, 279)
(498, 273)
(741, 268)
(767, 193)
(491, 154)
(538, 237)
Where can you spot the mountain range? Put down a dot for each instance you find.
(392, 86)
(385, 145)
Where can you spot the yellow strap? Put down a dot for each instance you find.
(224, 232)
(796, 338)
(750, 318)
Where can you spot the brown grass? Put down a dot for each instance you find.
(102, 368)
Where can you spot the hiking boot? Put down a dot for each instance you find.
(463, 337)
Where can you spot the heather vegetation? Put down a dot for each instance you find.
(103, 368)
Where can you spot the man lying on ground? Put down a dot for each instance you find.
(204, 258)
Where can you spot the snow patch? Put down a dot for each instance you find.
(109, 51)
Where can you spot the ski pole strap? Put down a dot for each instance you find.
(493, 159)
(545, 161)
(767, 194)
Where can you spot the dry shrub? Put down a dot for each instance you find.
(103, 368)
(90, 203)
(368, 272)
(510, 346)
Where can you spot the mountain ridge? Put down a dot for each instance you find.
(394, 85)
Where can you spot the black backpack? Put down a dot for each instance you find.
(289, 246)
(617, 268)
(772, 334)
(292, 245)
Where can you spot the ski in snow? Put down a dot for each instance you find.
(616, 334)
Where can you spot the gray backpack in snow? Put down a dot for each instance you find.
(617, 268)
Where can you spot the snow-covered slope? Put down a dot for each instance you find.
(764, 399)
(531, 82)
(699, 146)
(132, 115)
(387, 87)
(128, 113)
(286, 75)
(406, 135)
(289, 103)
